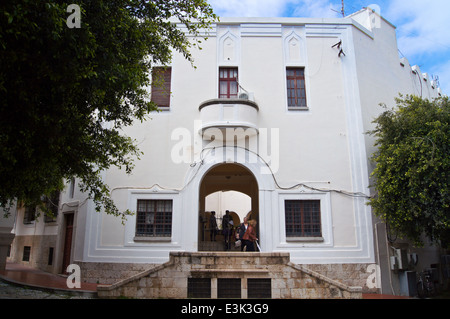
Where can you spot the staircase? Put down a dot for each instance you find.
(229, 275)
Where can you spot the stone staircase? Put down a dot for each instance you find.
(229, 275)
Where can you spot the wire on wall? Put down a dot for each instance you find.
(210, 149)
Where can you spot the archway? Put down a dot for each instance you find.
(221, 178)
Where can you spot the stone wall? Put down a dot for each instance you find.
(39, 251)
(287, 280)
(348, 274)
(5, 243)
(110, 273)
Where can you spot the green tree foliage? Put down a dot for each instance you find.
(67, 93)
(411, 178)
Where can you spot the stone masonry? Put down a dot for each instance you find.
(287, 280)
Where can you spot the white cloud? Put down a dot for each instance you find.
(443, 71)
(315, 8)
(248, 8)
(422, 25)
(275, 8)
(422, 32)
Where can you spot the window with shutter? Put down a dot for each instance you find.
(161, 86)
(296, 88)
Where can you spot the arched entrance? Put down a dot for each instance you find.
(225, 177)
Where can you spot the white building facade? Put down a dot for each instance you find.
(276, 109)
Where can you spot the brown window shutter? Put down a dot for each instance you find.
(296, 90)
(161, 86)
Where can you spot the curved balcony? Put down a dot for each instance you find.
(226, 114)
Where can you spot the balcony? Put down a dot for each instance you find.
(227, 115)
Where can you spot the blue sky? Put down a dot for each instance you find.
(423, 26)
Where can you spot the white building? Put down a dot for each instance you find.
(289, 101)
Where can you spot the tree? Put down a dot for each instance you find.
(411, 177)
(66, 92)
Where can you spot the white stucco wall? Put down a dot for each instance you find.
(315, 146)
(323, 146)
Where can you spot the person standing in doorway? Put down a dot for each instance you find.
(250, 235)
(241, 231)
(227, 226)
(212, 226)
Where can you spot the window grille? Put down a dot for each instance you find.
(229, 288)
(154, 218)
(259, 288)
(199, 287)
(302, 218)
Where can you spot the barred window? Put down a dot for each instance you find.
(302, 218)
(154, 218)
(199, 287)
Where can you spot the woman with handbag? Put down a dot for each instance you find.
(250, 235)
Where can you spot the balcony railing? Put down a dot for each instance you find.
(230, 114)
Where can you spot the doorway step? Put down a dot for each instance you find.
(230, 275)
(218, 246)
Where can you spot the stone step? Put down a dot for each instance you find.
(215, 246)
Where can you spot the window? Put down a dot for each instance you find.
(30, 215)
(228, 83)
(52, 205)
(302, 218)
(72, 187)
(199, 287)
(161, 79)
(26, 253)
(154, 218)
(259, 288)
(228, 287)
(296, 91)
(50, 256)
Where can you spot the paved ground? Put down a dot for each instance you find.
(22, 282)
(10, 291)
